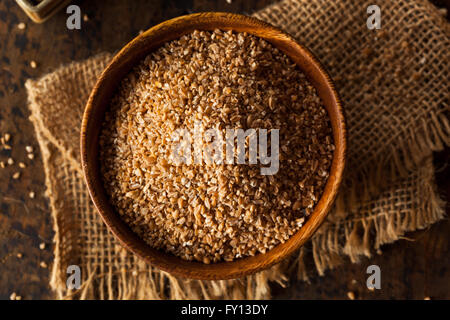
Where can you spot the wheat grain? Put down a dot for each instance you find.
(214, 212)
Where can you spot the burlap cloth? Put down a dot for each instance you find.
(394, 84)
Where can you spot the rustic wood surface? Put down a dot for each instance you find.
(413, 268)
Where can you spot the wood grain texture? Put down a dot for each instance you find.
(416, 267)
(134, 52)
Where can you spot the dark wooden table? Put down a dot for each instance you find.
(413, 268)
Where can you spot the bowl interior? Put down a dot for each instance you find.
(123, 62)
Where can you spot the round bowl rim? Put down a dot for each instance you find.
(242, 266)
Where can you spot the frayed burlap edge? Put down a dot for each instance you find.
(328, 247)
(353, 238)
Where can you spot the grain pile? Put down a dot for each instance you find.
(213, 212)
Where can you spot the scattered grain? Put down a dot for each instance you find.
(42, 246)
(30, 156)
(15, 296)
(43, 264)
(21, 26)
(29, 149)
(16, 175)
(19, 255)
(31, 194)
(351, 295)
(22, 165)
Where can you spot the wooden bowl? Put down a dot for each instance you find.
(129, 56)
(41, 11)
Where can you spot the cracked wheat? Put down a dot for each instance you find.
(214, 212)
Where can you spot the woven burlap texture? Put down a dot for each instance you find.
(394, 85)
